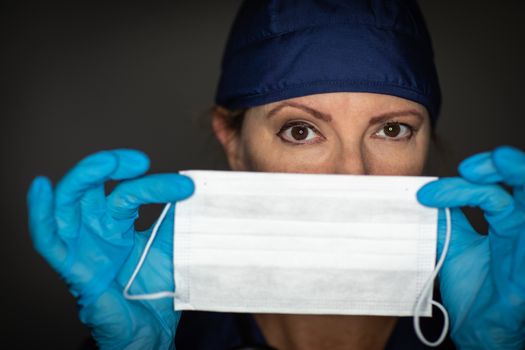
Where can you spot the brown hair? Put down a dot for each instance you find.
(234, 118)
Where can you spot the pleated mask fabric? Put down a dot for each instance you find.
(304, 244)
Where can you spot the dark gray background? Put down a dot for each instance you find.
(81, 76)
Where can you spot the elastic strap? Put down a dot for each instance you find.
(427, 285)
(150, 296)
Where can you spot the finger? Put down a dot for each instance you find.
(497, 204)
(93, 202)
(42, 222)
(480, 168)
(519, 197)
(91, 172)
(510, 162)
(462, 236)
(123, 203)
(518, 269)
(505, 164)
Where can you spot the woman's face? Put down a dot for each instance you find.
(342, 133)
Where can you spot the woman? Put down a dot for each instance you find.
(316, 87)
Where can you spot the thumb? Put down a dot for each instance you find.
(124, 202)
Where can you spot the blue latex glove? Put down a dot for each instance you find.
(482, 281)
(90, 240)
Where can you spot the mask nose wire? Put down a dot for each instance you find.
(151, 296)
(428, 284)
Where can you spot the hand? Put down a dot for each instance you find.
(482, 281)
(90, 240)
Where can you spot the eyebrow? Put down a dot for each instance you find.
(381, 118)
(314, 112)
(389, 115)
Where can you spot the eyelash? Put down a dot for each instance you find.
(411, 131)
(287, 126)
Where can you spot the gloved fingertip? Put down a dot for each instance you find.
(135, 155)
(131, 163)
(40, 186)
(99, 158)
(142, 160)
(510, 163)
(186, 186)
(437, 193)
(507, 154)
(470, 166)
(425, 194)
(95, 166)
(507, 149)
(480, 176)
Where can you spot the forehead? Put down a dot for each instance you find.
(348, 102)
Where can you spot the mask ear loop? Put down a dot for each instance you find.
(151, 296)
(429, 284)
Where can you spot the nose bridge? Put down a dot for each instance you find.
(351, 159)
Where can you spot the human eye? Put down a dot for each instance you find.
(395, 131)
(299, 132)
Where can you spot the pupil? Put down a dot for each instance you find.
(392, 130)
(299, 132)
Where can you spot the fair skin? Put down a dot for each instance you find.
(338, 133)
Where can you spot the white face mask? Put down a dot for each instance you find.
(303, 244)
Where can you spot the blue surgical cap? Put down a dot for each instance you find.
(278, 50)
